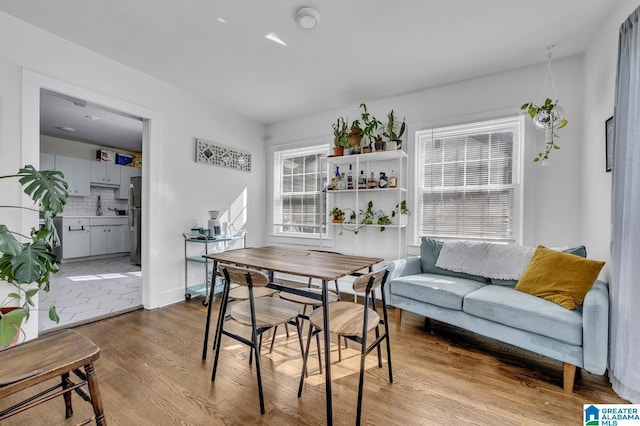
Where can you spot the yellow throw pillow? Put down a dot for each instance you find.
(560, 277)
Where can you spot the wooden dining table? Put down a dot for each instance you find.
(322, 265)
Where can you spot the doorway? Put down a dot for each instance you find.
(73, 130)
(32, 83)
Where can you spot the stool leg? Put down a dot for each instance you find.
(94, 391)
(67, 396)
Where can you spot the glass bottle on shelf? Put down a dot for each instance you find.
(393, 180)
(371, 182)
(382, 183)
(350, 178)
(362, 181)
(343, 182)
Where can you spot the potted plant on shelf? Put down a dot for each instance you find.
(355, 136)
(338, 215)
(370, 216)
(383, 219)
(28, 261)
(370, 126)
(340, 140)
(393, 133)
(401, 209)
(549, 117)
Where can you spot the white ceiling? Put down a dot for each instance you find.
(70, 118)
(361, 50)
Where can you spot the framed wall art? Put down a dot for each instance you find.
(219, 155)
(609, 133)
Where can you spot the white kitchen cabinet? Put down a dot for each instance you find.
(76, 174)
(47, 161)
(74, 236)
(126, 173)
(107, 239)
(105, 174)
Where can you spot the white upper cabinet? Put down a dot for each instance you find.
(76, 174)
(105, 174)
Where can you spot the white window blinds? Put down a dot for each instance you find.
(299, 206)
(469, 180)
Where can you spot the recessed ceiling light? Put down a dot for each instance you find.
(221, 20)
(66, 129)
(307, 17)
(274, 37)
(92, 117)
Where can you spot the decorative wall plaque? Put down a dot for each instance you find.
(220, 155)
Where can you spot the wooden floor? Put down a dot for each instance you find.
(151, 373)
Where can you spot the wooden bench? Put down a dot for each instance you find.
(56, 355)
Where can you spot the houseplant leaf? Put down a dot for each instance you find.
(8, 243)
(47, 187)
(33, 264)
(10, 325)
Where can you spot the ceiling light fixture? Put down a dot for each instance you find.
(307, 17)
(92, 117)
(66, 129)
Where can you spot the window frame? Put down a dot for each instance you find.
(278, 157)
(488, 125)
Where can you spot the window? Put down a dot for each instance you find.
(299, 206)
(469, 181)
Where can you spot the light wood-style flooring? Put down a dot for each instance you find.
(151, 373)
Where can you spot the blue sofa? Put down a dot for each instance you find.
(493, 308)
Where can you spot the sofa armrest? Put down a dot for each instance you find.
(595, 328)
(399, 268)
(402, 267)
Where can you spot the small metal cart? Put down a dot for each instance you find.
(221, 243)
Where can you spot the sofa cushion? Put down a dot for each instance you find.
(429, 252)
(559, 277)
(520, 310)
(440, 290)
(578, 251)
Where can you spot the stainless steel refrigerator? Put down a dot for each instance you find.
(135, 217)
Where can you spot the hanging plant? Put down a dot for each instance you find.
(368, 217)
(548, 117)
(401, 208)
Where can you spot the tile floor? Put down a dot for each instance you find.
(90, 290)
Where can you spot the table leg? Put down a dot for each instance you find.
(208, 322)
(327, 350)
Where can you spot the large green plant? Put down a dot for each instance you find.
(370, 124)
(391, 129)
(340, 132)
(28, 260)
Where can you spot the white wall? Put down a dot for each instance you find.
(552, 192)
(600, 80)
(181, 190)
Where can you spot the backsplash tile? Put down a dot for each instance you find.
(86, 206)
